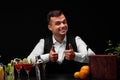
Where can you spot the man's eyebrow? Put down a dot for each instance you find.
(61, 21)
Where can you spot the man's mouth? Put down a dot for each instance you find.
(62, 30)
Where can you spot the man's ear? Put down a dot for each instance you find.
(49, 27)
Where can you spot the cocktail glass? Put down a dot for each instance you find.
(27, 68)
(18, 67)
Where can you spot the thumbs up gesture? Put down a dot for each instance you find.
(69, 54)
(53, 56)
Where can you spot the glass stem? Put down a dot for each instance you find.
(28, 76)
(18, 75)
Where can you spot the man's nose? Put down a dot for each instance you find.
(62, 24)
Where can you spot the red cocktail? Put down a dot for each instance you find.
(18, 66)
(27, 68)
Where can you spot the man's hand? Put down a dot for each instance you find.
(53, 56)
(69, 54)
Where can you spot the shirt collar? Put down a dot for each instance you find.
(54, 40)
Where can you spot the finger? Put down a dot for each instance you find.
(66, 51)
(55, 55)
(53, 48)
(54, 58)
(66, 54)
(70, 46)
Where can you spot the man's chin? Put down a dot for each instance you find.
(63, 34)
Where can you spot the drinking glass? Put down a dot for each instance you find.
(18, 67)
(27, 68)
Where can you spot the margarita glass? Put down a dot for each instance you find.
(27, 67)
(18, 66)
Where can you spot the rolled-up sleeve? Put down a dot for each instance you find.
(83, 52)
(38, 51)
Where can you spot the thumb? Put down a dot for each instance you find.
(53, 48)
(70, 46)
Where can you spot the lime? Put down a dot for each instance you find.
(25, 60)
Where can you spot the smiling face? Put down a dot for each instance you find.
(58, 25)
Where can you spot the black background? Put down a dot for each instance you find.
(21, 28)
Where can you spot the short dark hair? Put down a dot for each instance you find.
(53, 13)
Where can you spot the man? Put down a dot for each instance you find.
(61, 52)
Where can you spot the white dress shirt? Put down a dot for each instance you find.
(80, 56)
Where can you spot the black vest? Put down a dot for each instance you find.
(66, 66)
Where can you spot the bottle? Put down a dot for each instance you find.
(2, 73)
(40, 68)
(9, 71)
(38, 74)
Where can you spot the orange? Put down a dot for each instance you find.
(82, 75)
(84, 72)
(76, 74)
(85, 67)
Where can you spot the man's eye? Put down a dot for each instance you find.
(64, 22)
(58, 23)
